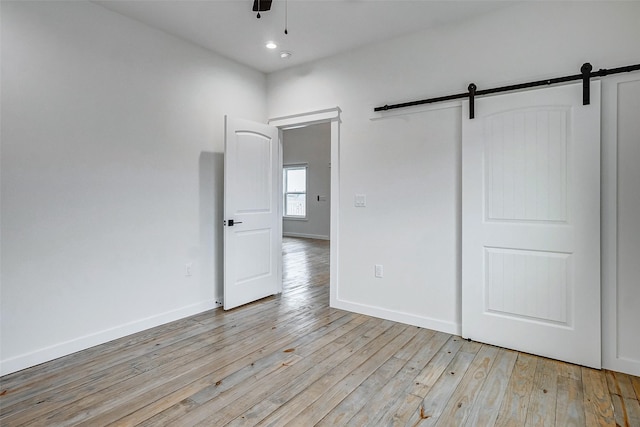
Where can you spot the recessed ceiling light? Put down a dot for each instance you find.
(285, 55)
(271, 45)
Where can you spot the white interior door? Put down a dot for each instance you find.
(531, 223)
(253, 226)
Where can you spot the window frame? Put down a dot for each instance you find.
(295, 166)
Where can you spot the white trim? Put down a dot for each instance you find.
(609, 228)
(306, 119)
(305, 236)
(279, 261)
(398, 316)
(55, 351)
(334, 230)
(329, 115)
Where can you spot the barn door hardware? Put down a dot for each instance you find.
(585, 70)
(586, 74)
(472, 97)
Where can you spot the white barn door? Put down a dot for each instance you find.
(253, 225)
(531, 223)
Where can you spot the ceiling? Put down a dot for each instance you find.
(317, 28)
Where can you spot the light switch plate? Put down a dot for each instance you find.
(379, 272)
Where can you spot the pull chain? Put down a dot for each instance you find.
(286, 16)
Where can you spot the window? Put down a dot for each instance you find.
(295, 191)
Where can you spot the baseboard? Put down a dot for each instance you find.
(46, 354)
(396, 316)
(306, 236)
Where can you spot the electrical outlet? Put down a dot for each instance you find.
(188, 269)
(360, 200)
(378, 270)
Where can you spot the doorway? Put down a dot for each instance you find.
(306, 182)
(330, 117)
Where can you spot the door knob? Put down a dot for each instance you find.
(231, 222)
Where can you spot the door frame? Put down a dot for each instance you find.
(332, 116)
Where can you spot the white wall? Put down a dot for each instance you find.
(409, 165)
(311, 145)
(112, 140)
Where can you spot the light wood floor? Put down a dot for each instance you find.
(291, 360)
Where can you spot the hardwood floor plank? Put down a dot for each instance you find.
(465, 395)
(264, 403)
(383, 384)
(597, 401)
(317, 362)
(635, 381)
(400, 413)
(290, 359)
(259, 393)
(570, 403)
(255, 364)
(348, 407)
(302, 400)
(328, 398)
(471, 346)
(633, 411)
(543, 400)
(569, 370)
(171, 407)
(620, 384)
(620, 411)
(391, 394)
(514, 408)
(486, 408)
(234, 403)
(417, 344)
(430, 374)
(436, 400)
(407, 406)
(623, 396)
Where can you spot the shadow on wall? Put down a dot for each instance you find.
(211, 181)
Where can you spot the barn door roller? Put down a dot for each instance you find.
(586, 83)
